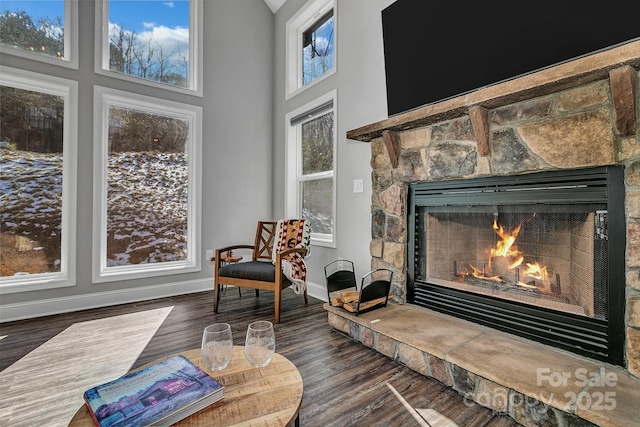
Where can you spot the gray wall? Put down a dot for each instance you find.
(361, 92)
(243, 151)
(237, 151)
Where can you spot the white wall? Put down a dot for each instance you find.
(243, 152)
(237, 152)
(361, 91)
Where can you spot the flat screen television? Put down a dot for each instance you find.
(435, 50)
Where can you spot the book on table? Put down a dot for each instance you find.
(163, 393)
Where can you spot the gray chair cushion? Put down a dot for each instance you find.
(252, 270)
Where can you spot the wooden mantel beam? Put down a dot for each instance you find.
(578, 72)
(480, 121)
(391, 140)
(623, 92)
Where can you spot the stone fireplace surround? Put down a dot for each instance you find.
(581, 113)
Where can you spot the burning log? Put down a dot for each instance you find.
(506, 268)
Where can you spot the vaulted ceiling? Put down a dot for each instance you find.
(274, 5)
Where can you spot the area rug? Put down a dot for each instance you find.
(424, 417)
(45, 387)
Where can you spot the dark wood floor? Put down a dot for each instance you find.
(344, 381)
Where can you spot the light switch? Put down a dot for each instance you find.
(358, 186)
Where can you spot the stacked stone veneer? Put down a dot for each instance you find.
(503, 398)
(568, 129)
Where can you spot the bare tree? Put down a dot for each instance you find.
(164, 64)
(122, 47)
(145, 58)
(182, 67)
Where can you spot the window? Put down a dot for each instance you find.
(154, 42)
(310, 49)
(148, 186)
(317, 49)
(37, 181)
(42, 30)
(311, 158)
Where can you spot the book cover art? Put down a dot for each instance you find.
(172, 388)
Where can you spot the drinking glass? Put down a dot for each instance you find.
(260, 343)
(217, 346)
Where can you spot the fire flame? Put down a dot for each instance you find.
(507, 249)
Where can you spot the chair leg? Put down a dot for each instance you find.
(306, 299)
(278, 299)
(216, 296)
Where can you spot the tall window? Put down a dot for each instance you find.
(311, 41)
(42, 30)
(311, 158)
(155, 42)
(37, 181)
(148, 173)
(317, 48)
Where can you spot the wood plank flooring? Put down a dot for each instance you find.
(344, 381)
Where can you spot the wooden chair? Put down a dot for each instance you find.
(260, 272)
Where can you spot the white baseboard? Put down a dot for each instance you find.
(317, 291)
(47, 307)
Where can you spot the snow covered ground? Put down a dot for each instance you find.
(147, 205)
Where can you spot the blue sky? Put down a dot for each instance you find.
(138, 15)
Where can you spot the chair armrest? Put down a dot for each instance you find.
(279, 255)
(220, 251)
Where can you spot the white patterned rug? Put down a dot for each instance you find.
(424, 417)
(45, 387)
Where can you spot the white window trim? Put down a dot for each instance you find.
(296, 25)
(70, 41)
(103, 99)
(293, 168)
(196, 50)
(68, 90)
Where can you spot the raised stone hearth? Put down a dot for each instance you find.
(583, 113)
(535, 384)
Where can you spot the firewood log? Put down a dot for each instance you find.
(349, 296)
(352, 307)
(336, 301)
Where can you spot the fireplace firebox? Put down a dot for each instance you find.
(540, 255)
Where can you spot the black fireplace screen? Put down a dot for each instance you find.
(538, 255)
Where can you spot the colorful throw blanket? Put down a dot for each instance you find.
(293, 233)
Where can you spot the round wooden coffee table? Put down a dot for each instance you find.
(269, 396)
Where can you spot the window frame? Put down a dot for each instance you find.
(293, 168)
(104, 98)
(305, 18)
(196, 52)
(68, 90)
(71, 42)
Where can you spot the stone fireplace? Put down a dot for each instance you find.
(574, 116)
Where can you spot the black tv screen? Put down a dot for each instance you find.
(435, 50)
